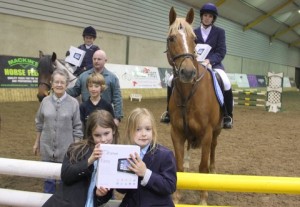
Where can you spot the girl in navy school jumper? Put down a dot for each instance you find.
(78, 172)
(155, 165)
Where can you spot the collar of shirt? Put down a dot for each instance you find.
(102, 72)
(88, 46)
(144, 151)
(61, 98)
(90, 196)
(205, 32)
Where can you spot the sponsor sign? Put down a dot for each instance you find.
(18, 72)
(133, 76)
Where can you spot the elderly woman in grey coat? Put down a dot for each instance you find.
(58, 124)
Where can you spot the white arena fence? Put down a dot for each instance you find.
(187, 181)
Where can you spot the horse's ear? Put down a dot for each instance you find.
(190, 16)
(41, 54)
(172, 16)
(53, 58)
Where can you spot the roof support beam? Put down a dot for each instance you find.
(279, 33)
(294, 43)
(263, 17)
(219, 2)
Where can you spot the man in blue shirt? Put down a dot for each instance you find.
(112, 94)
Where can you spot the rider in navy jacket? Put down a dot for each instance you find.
(216, 39)
(214, 36)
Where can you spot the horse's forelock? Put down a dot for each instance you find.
(45, 64)
(174, 28)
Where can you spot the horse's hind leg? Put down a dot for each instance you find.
(186, 163)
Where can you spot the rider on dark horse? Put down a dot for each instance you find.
(89, 35)
(214, 36)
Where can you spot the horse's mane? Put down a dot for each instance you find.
(181, 23)
(46, 66)
(63, 66)
(60, 65)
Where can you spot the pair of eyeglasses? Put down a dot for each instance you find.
(59, 82)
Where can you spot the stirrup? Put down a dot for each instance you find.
(227, 122)
(165, 117)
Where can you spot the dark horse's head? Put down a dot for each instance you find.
(45, 69)
(181, 46)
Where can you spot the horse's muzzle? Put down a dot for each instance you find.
(40, 97)
(187, 75)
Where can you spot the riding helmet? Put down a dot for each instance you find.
(89, 31)
(209, 8)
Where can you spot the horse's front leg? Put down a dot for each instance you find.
(178, 143)
(205, 154)
(212, 167)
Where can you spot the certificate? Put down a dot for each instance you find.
(76, 56)
(202, 51)
(112, 171)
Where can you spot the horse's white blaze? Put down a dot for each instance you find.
(183, 34)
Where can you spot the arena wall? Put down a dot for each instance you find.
(25, 33)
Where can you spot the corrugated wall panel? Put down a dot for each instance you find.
(147, 19)
(254, 45)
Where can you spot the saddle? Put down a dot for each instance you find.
(218, 85)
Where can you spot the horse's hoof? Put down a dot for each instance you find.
(227, 122)
(165, 117)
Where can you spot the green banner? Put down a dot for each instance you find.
(18, 72)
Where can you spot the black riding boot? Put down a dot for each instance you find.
(165, 117)
(228, 117)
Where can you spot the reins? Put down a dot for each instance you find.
(46, 84)
(183, 103)
(185, 99)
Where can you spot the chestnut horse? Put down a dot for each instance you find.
(195, 112)
(47, 64)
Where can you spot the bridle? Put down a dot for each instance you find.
(184, 56)
(46, 84)
(183, 102)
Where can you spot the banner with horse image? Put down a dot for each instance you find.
(165, 74)
(133, 76)
(18, 72)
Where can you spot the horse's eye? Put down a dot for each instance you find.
(171, 39)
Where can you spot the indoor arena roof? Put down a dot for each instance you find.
(279, 19)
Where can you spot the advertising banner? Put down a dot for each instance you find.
(241, 80)
(18, 72)
(133, 76)
(286, 82)
(256, 81)
(165, 74)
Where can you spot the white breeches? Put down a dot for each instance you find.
(170, 80)
(226, 81)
